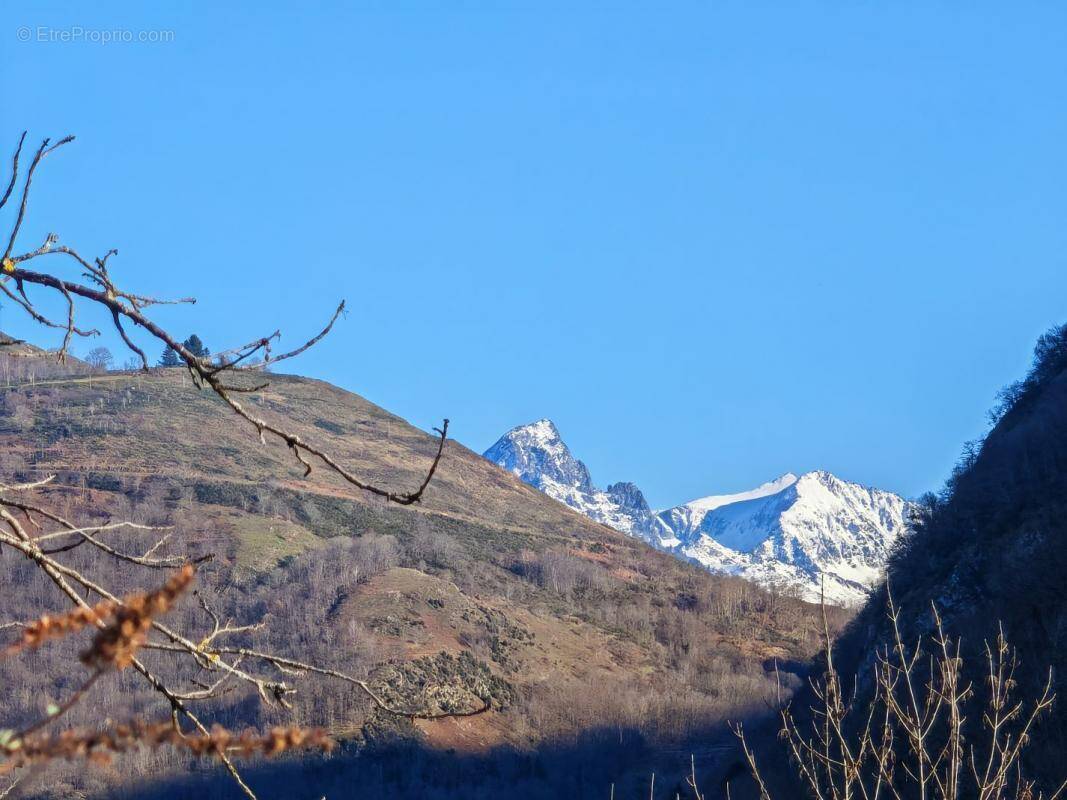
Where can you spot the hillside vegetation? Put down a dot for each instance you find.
(586, 646)
(990, 552)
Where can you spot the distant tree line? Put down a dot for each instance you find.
(1050, 358)
(193, 344)
(100, 358)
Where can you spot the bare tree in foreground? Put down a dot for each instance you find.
(127, 625)
(914, 739)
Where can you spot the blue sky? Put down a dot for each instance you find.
(713, 241)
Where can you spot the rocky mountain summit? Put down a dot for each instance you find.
(814, 534)
(538, 455)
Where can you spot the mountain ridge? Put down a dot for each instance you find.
(537, 455)
(815, 534)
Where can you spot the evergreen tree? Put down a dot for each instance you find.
(169, 359)
(196, 347)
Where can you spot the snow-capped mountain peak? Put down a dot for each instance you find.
(817, 532)
(811, 533)
(544, 432)
(537, 454)
(627, 495)
(688, 517)
(771, 487)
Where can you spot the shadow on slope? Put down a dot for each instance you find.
(598, 763)
(991, 551)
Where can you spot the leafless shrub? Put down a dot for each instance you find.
(562, 573)
(100, 746)
(435, 549)
(374, 554)
(918, 737)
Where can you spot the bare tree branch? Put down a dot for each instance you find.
(123, 624)
(125, 306)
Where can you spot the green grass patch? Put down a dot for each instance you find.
(263, 542)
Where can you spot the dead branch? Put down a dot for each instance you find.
(126, 306)
(219, 743)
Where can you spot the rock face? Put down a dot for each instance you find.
(537, 454)
(812, 534)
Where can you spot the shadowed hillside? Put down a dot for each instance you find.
(489, 592)
(992, 548)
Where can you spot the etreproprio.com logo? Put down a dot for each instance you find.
(77, 34)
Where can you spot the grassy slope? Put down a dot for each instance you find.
(160, 425)
(156, 442)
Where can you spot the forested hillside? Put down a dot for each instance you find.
(990, 553)
(587, 646)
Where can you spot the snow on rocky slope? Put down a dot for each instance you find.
(538, 455)
(809, 534)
